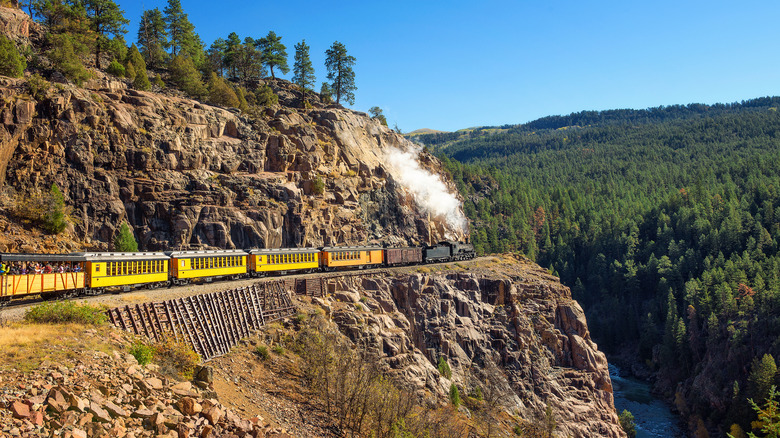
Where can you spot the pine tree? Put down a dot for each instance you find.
(124, 240)
(340, 72)
(376, 114)
(153, 38)
(274, 53)
(761, 377)
(105, 19)
(303, 71)
(232, 48)
(183, 39)
(216, 56)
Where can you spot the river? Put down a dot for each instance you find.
(653, 416)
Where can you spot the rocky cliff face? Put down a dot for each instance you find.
(508, 325)
(188, 175)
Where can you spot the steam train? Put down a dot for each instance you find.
(69, 275)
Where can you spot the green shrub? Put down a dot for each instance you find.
(266, 96)
(444, 368)
(130, 71)
(54, 218)
(11, 62)
(627, 423)
(454, 395)
(116, 69)
(176, 358)
(185, 76)
(158, 81)
(142, 353)
(221, 93)
(318, 186)
(38, 86)
(64, 54)
(141, 81)
(278, 349)
(141, 78)
(62, 312)
(262, 351)
(124, 240)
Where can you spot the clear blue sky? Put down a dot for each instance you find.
(455, 64)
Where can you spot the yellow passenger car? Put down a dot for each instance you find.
(334, 257)
(44, 274)
(264, 261)
(124, 270)
(206, 265)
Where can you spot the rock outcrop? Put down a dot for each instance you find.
(110, 395)
(518, 324)
(189, 175)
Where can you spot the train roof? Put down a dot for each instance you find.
(18, 257)
(206, 253)
(263, 251)
(351, 248)
(119, 256)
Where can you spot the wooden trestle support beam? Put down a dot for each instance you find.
(214, 323)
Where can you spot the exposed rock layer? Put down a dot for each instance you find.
(189, 175)
(519, 318)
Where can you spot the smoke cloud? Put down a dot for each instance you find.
(427, 188)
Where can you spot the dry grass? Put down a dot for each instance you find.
(134, 298)
(25, 346)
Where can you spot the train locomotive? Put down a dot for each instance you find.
(92, 273)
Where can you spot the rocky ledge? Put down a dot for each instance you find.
(506, 322)
(185, 174)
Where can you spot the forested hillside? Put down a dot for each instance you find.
(665, 223)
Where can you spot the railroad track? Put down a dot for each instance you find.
(15, 309)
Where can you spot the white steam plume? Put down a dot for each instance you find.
(427, 188)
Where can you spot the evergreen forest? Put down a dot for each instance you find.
(664, 222)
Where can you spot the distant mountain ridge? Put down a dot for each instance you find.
(591, 118)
